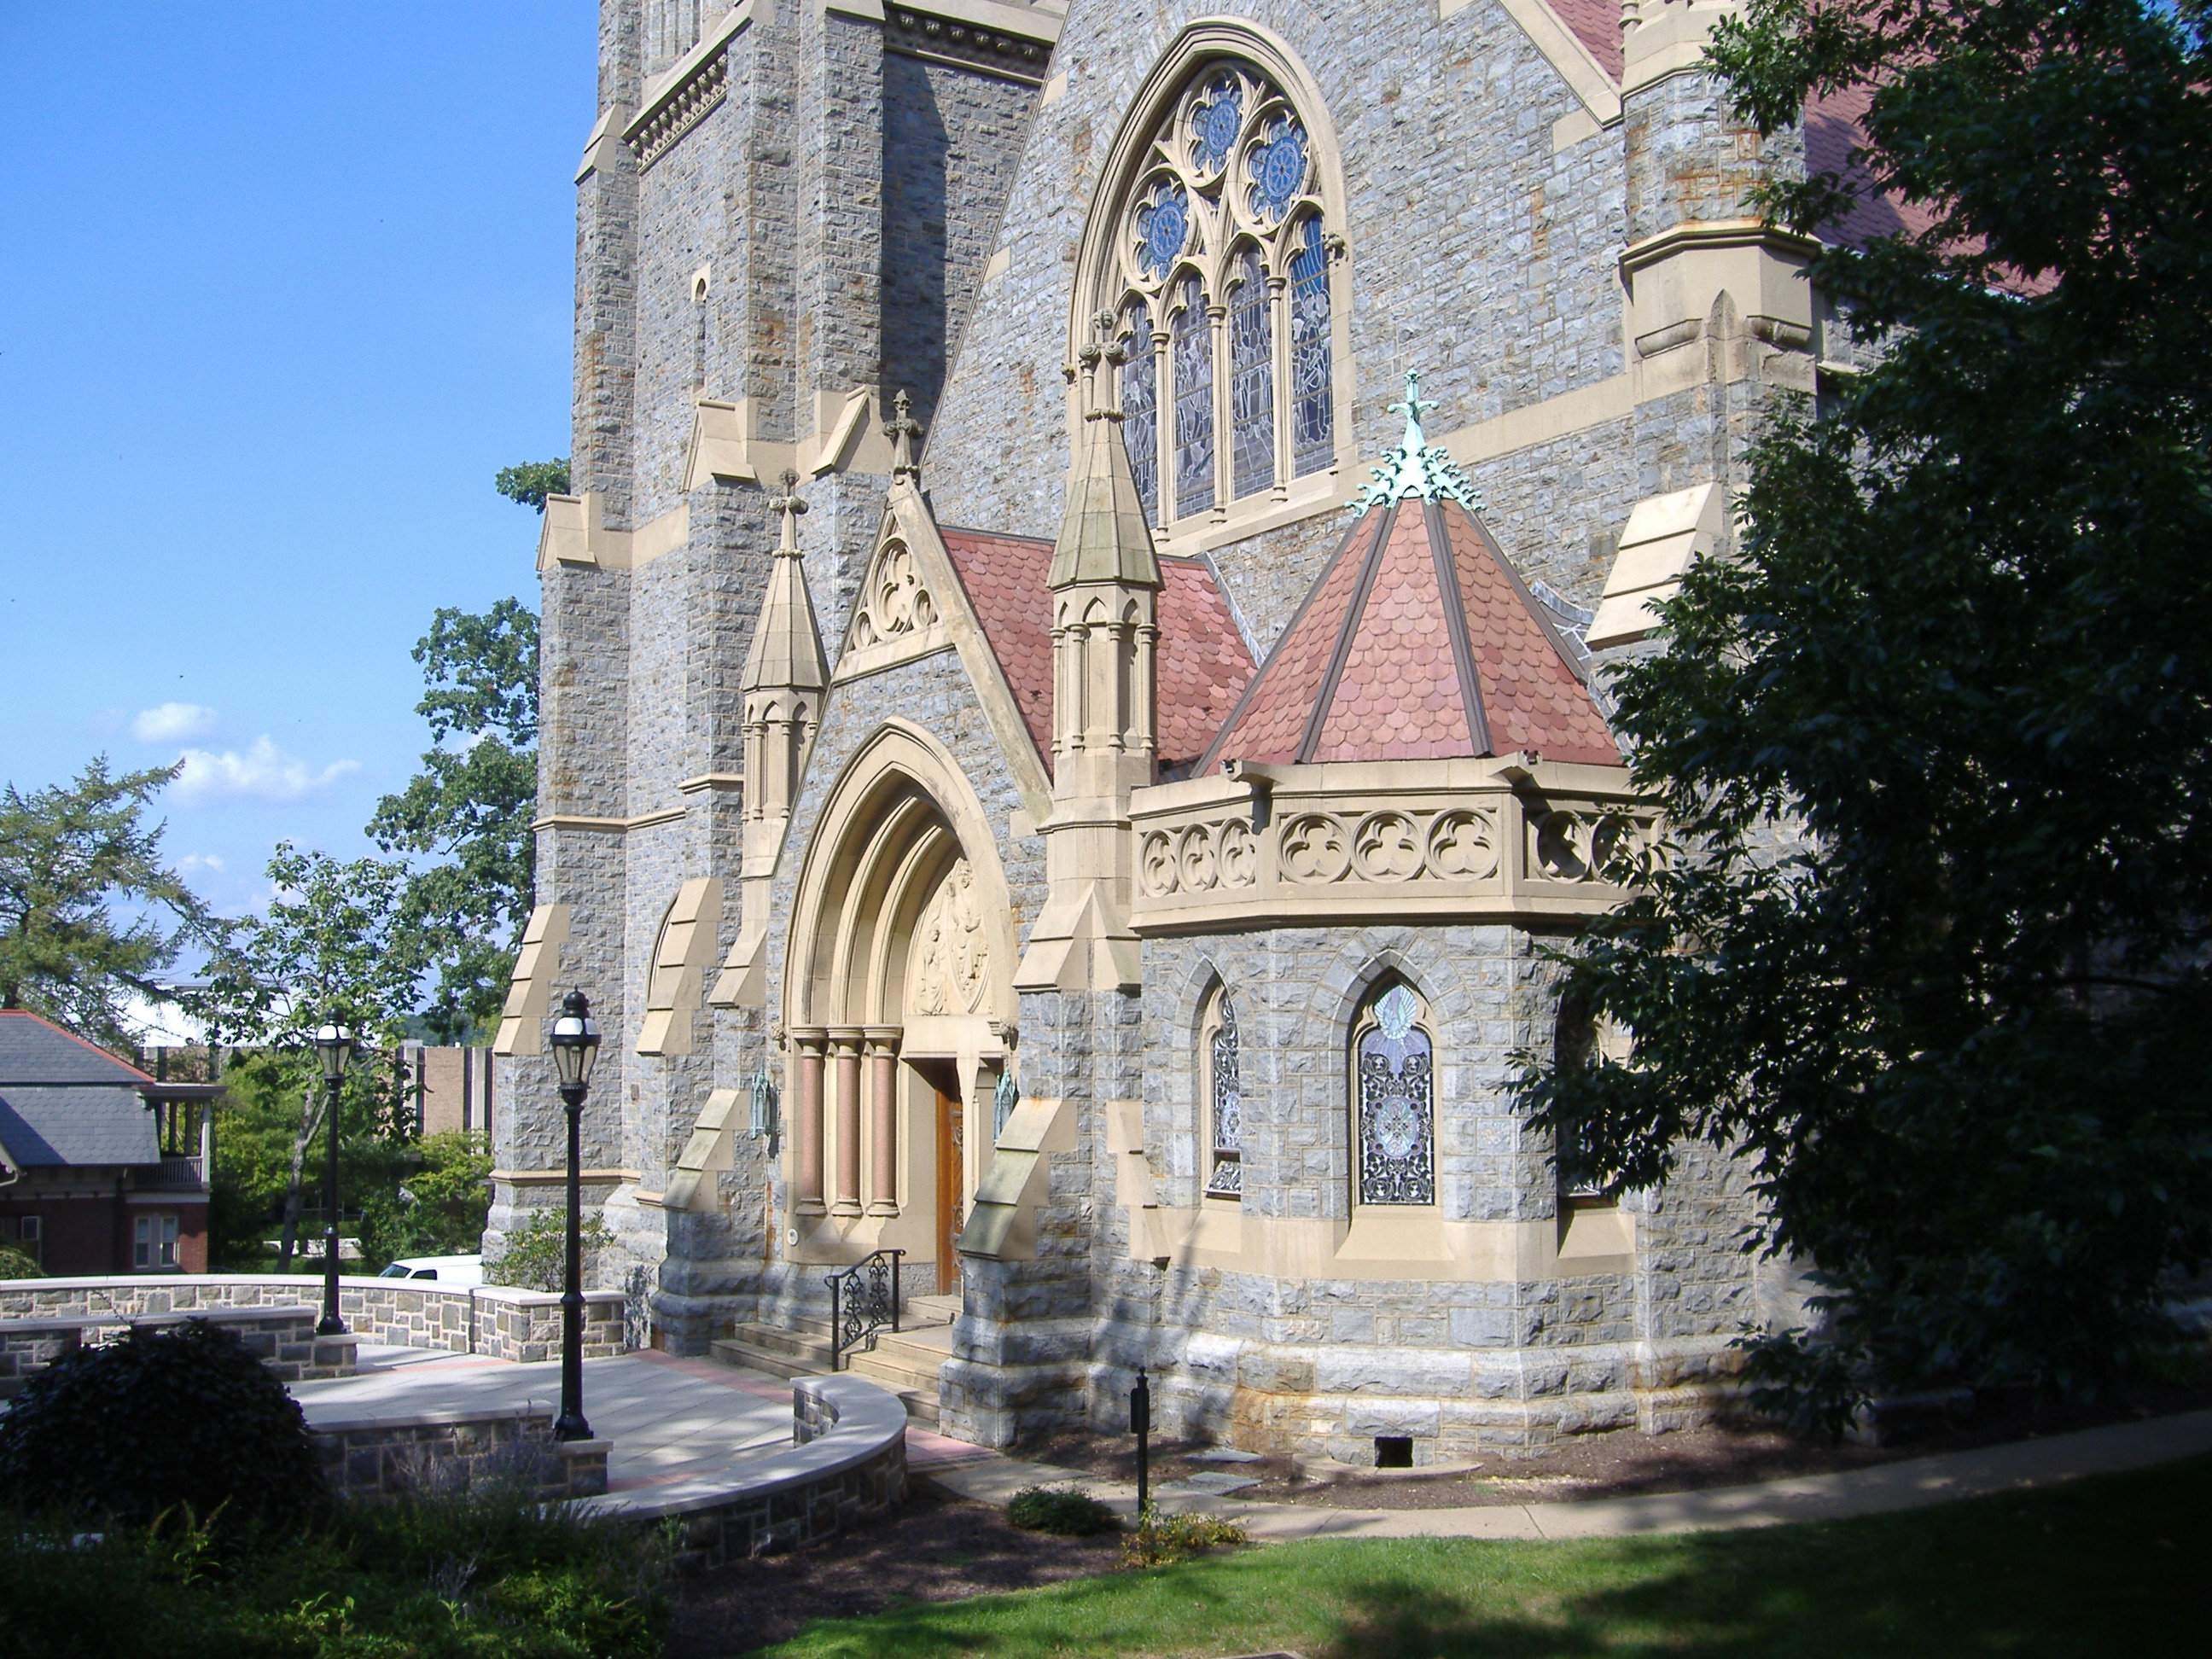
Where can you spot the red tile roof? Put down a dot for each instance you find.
(1003, 577)
(1383, 663)
(1202, 662)
(1596, 24)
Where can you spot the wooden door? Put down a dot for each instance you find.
(950, 1180)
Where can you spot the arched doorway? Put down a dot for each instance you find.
(898, 1009)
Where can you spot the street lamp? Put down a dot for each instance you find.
(333, 1047)
(575, 1041)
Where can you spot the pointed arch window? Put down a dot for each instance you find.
(1394, 1099)
(1578, 1039)
(1224, 1097)
(1221, 264)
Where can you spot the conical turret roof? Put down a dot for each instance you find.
(1104, 535)
(1417, 641)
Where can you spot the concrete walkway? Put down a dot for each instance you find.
(1914, 1483)
(671, 1419)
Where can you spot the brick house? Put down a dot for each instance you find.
(103, 1169)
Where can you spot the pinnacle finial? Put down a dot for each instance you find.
(1416, 468)
(790, 507)
(1104, 347)
(902, 429)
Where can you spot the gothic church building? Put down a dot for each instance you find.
(1073, 690)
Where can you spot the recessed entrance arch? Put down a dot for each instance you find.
(898, 1006)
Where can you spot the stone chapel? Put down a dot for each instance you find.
(1074, 700)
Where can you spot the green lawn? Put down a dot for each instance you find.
(2120, 1565)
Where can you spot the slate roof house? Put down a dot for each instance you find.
(1107, 850)
(105, 1167)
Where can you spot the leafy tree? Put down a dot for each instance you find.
(89, 913)
(470, 806)
(1931, 952)
(530, 484)
(329, 946)
(435, 1207)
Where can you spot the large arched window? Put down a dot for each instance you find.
(1221, 262)
(1394, 1099)
(1223, 1095)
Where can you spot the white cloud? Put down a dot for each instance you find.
(194, 861)
(263, 772)
(173, 722)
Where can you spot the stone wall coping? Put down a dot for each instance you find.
(505, 1295)
(214, 1316)
(868, 1421)
(435, 1420)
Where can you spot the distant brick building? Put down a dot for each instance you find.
(105, 1167)
(1128, 864)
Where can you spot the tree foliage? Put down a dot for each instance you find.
(1931, 949)
(530, 484)
(471, 807)
(90, 916)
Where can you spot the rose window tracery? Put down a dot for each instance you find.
(1225, 301)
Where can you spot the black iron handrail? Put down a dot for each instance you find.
(863, 1299)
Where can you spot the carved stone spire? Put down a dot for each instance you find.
(786, 672)
(1104, 535)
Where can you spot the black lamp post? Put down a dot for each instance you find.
(333, 1048)
(575, 1041)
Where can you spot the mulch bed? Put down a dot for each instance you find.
(937, 1548)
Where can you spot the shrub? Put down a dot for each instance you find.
(535, 1256)
(13, 1264)
(1066, 1510)
(183, 1416)
(1161, 1540)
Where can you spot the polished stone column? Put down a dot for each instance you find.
(845, 1050)
(807, 1043)
(883, 1119)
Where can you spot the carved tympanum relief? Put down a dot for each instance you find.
(952, 959)
(896, 601)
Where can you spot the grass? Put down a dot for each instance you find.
(2108, 1566)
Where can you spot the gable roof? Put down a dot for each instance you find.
(35, 1050)
(1417, 641)
(64, 1102)
(1200, 662)
(1596, 24)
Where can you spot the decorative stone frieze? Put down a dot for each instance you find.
(1473, 839)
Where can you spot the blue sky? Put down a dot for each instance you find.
(281, 287)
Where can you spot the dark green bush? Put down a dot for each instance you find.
(187, 1416)
(1068, 1510)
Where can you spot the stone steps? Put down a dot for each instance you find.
(800, 1349)
(907, 1363)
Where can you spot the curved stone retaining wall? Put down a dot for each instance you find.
(850, 1466)
(488, 1319)
(378, 1459)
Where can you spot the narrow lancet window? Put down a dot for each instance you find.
(1193, 348)
(1313, 440)
(1225, 1100)
(1252, 378)
(1393, 1091)
(1140, 410)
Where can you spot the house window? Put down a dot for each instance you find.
(26, 1233)
(1224, 306)
(154, 1242)
(1393, 1101)
(1224, 1097)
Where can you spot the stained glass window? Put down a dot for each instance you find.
(1226, 222)
(1227, 1176)
(1140, 408)
(1191, 349)
(1313, 416)
(1393, 1094)
(1251, 379)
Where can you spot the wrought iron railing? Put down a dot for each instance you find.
(864, 1298)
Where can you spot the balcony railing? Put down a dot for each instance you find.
(173, 1175)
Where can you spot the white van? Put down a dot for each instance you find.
(445, 1269)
